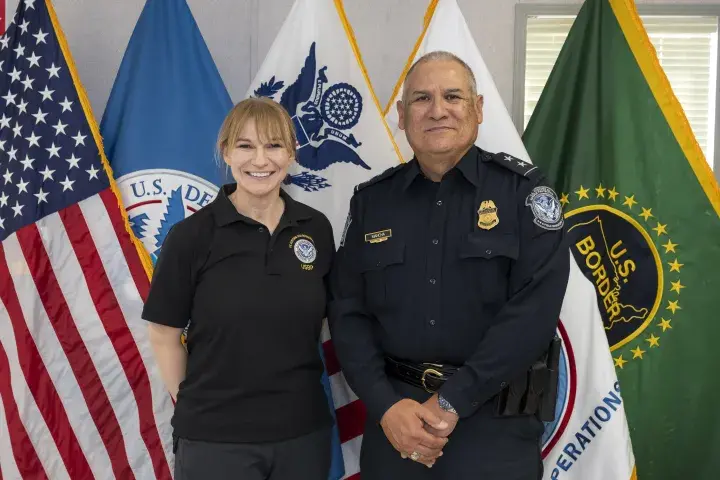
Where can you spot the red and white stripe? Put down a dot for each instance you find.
(80, 396)
(349, 410)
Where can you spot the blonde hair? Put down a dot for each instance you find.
(271, 121)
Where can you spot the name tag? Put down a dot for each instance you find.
(377, 237)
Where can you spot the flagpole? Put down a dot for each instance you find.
(87, 108)
(353, 43)
(426, 23)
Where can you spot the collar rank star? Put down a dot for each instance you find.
(487, 215)
(377, 237)
(305, 250)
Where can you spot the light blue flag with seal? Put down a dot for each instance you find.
(161, 122)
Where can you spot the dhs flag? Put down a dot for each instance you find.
(314, 70)
(589, 438)
(161, 122)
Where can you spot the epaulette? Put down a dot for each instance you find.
(514, 164)
(381, 176)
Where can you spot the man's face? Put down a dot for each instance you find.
(439, 113)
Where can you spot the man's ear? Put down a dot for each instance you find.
(401, 114)
(479, 103)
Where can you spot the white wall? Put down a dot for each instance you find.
(240, 32)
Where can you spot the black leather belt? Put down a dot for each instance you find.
(428, 376)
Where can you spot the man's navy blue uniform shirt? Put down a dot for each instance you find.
(470, 271)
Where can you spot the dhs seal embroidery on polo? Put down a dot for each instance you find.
(304, 249)
(546, 208)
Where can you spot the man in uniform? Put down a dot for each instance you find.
(447, 288)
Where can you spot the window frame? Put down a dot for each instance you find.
(525, 10)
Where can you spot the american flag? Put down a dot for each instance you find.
(350, 412)
(80, 395)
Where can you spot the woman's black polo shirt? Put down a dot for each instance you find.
(256, 303)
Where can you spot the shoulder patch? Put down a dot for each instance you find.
(545, 207)
(513, 164)
(382, 176)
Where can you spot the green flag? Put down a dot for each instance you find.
(643, 214)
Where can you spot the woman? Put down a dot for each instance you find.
(248, 271)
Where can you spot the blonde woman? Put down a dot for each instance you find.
(249, 272)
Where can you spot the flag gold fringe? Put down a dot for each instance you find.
(87, 109)
(353, 43)
(644, 53)
(426, 23)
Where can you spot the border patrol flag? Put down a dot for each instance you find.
(315, 71)
(589, 437)
(643, 214)
(162, 120)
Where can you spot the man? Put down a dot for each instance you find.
(447, 288)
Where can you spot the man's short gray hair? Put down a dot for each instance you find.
(443, 56)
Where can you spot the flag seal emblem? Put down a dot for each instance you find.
(487, 215)
(304, 248)
(156, 199)
(323, 114)
(618, 249)
(546, 208)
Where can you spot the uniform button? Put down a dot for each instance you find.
(439, 203)
(489, 252)
(432, 280)
(261, 229)
(475, 404)
(435, 241)
(503, 385)
(432, 322)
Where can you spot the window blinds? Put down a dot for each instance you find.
(687, 50)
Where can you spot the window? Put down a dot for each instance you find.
(686, 44)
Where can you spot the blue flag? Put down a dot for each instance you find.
(162, 120)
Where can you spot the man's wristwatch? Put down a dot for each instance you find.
(445, 405)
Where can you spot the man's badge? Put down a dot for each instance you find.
(546, 208)
(487, 215)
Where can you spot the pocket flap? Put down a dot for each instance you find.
(484, 245)
(380, 255)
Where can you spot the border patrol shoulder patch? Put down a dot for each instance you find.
(382, 176)
(546, 208)
(513, 164)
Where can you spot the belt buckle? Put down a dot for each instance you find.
(429, 371)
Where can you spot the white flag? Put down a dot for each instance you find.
(448, 31)
(589, 438)
(314, 70)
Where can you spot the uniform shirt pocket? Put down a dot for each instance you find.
(485, 259)
(380, 264)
